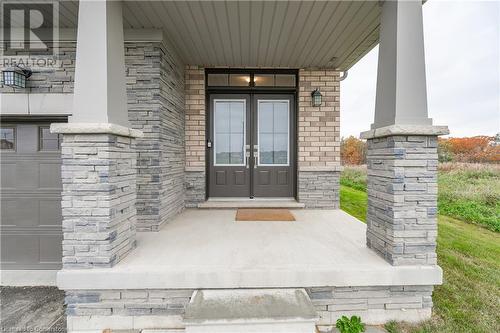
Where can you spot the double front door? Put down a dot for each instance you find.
(251, 145)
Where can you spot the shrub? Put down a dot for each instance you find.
(354, 177)
(353, 325)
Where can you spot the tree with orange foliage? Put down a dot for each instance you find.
(477, 149)
(352, 151)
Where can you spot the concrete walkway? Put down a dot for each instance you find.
(32, 309)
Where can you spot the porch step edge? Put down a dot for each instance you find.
(230, 204)
(249, 306)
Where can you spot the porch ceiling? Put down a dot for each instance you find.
(297, 34)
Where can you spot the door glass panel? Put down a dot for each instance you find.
(229, 120)
(266, 148)
(273, 132)
(280, 148)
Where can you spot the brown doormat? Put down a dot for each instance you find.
(264, 214)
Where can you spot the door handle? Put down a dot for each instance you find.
(248, 161)
(255, 156)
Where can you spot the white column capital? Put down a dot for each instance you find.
(401, 84)
(100, 90)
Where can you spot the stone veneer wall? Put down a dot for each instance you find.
(98, 199)
(319, 189)
(402, 199)
(55, 80)
(319, 139)
(155, 93)
(195, 135)
(155, 90)
(130, 302)
(375, 305)
(165, 308)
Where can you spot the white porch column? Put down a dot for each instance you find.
(401, 91)
(98, 149)
(100, 92)
(402, 144)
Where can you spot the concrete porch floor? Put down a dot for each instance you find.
(209, 249)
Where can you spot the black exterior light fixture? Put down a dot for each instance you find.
(16, 77)
(316, 98)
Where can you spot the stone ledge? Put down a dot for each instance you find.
(336, 168)
(95, 128)
(28, 277)
(168, 277)
(427, 130)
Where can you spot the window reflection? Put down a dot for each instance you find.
(7, 138)
(273, 132)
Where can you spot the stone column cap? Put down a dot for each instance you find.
(426, 130)
(94, 128)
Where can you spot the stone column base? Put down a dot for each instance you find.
(402, 193)
(99, 193)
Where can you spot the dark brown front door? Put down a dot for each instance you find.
(251, 145)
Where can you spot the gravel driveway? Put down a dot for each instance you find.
(32, 309)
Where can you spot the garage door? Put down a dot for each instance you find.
(31, 231)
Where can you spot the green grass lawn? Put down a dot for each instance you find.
(469, 299)
(468, 192)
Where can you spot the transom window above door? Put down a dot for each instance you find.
(252, 79)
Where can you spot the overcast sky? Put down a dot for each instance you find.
(462, 50)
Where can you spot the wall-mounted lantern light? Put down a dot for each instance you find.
(316, 97)
(16, 77)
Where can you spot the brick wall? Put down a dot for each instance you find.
(195, 135)
(195, 117)
(319, 127)
(319, 140)
(402, 199)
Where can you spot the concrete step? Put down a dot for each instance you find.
(250, 311)
(231, 203)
